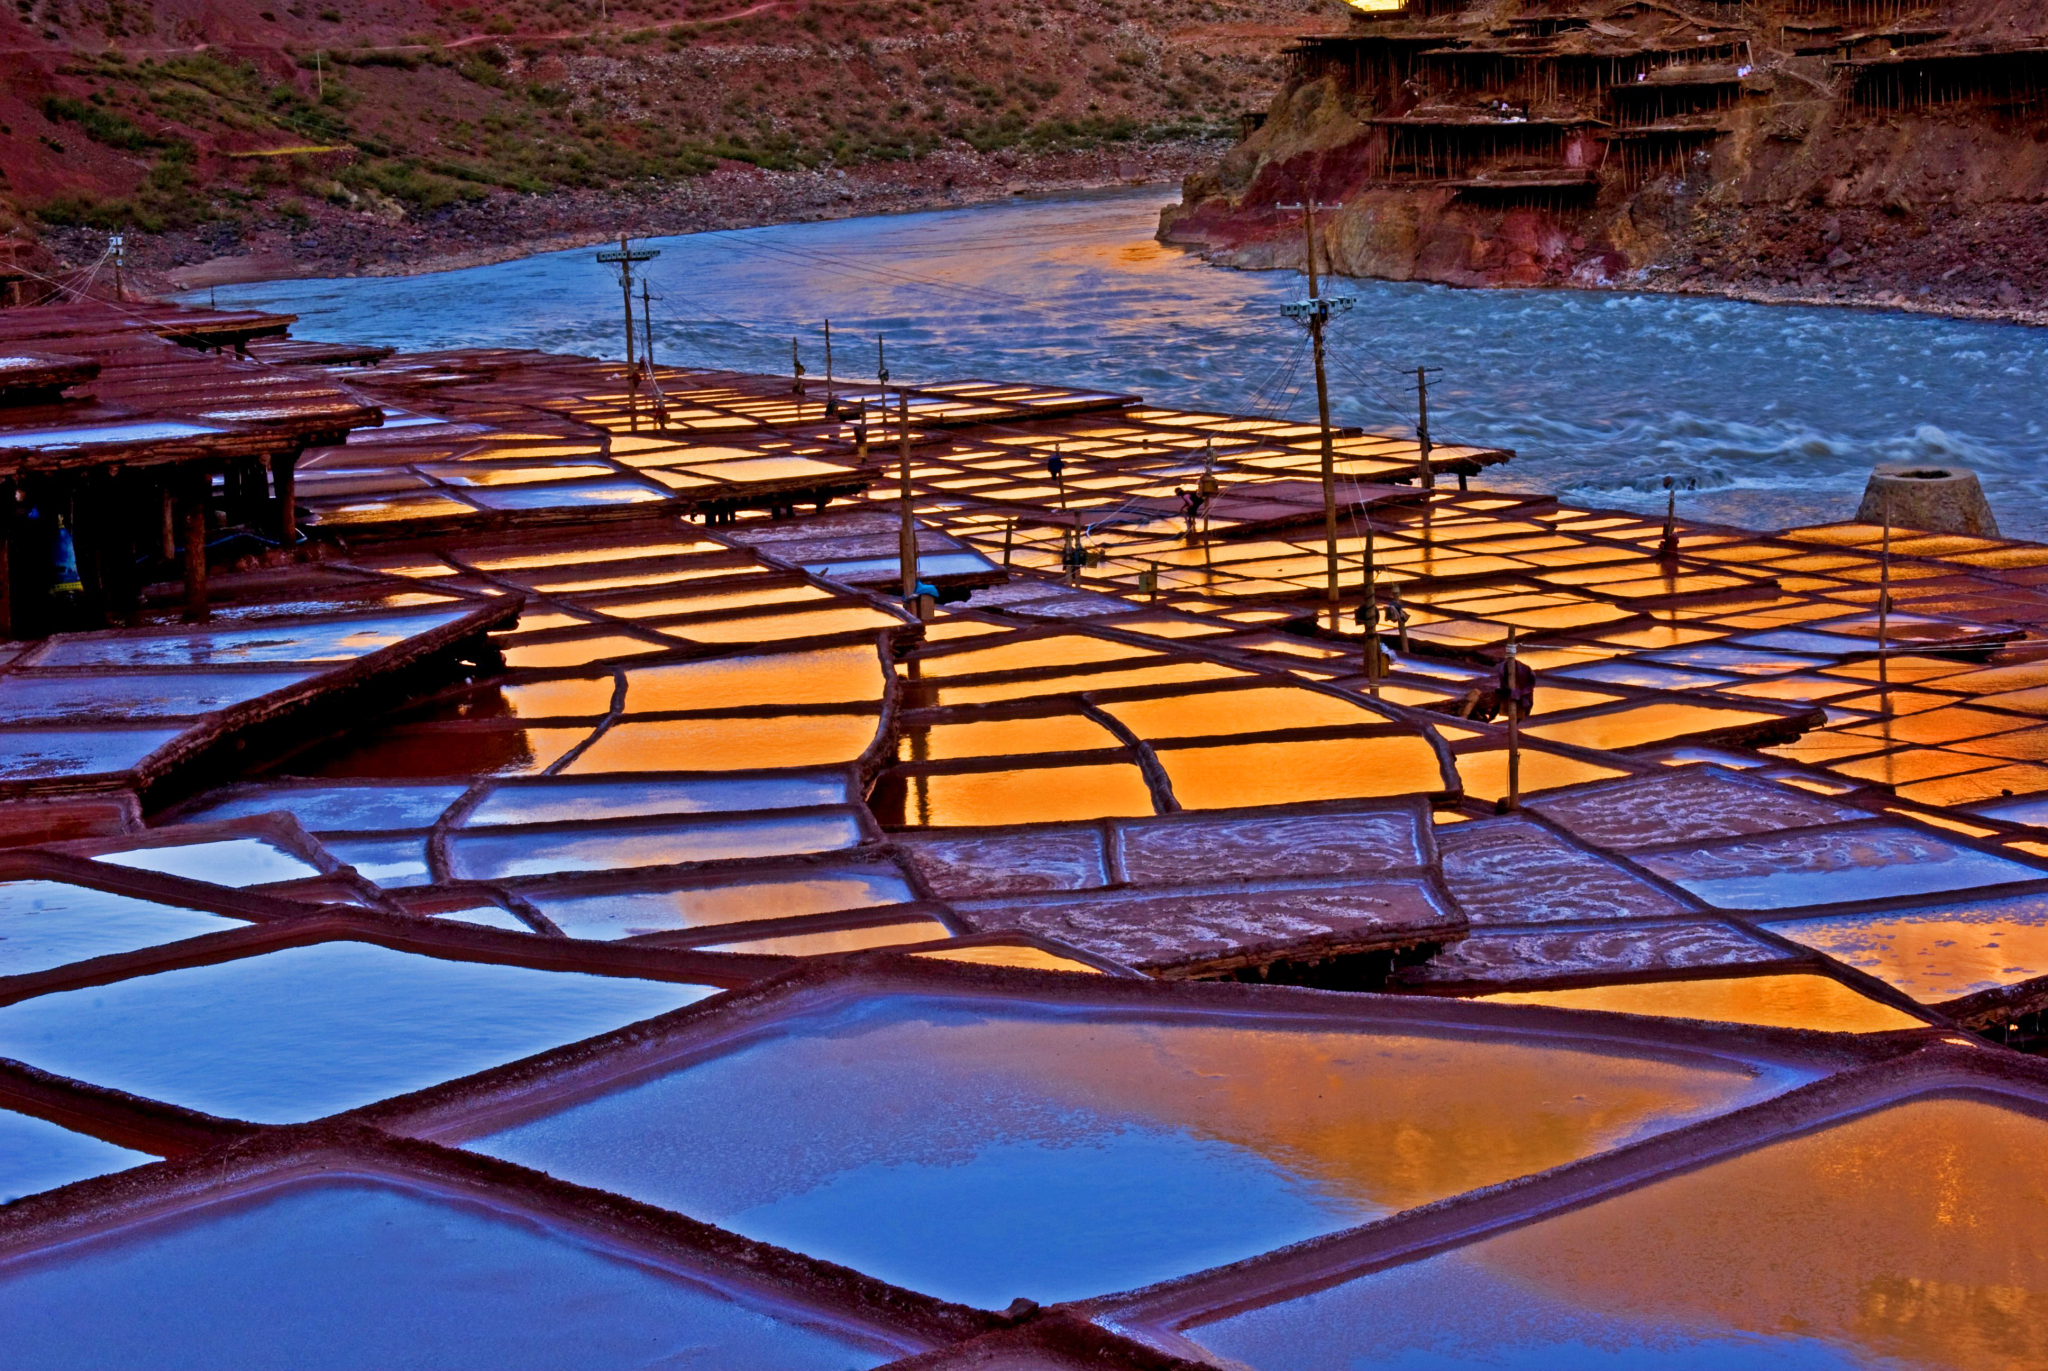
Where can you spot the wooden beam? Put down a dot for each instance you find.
(198, 491)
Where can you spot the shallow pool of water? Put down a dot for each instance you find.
(356, 1272)
(307, 1031)
(1775, 413)
(982, 1152)
(37, 1155)
(1900, 1239)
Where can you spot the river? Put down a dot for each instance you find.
(1769, 416)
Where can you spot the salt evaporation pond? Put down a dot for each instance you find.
(45, 924)
(357, 1272)
(985, 1151)
(285, 1036)
(1902, 1239)
(1776, 413)
(37, 1155)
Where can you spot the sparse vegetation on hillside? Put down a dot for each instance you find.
(407, 109)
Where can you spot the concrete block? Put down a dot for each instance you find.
(1937, 499)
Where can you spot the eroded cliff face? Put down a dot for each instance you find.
(1632, 142)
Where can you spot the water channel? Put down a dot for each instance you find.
(1771, 415)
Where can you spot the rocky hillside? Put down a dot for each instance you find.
(1877, 150)
(213, 120)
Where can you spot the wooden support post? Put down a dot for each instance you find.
(1425, 476)
(197, 494)
(8, 525)
(283, 474)
(170, 503)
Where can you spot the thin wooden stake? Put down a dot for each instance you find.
(907, 549)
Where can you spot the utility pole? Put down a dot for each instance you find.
(1884, 572)
(1510, 682)
(624, 259)
(647, 355)
(907, 535)
(1424, 476)
(1208, 485)
(831, 399)
(1315, 312)
(1667, 545)
(118, 243)
(1369, 612)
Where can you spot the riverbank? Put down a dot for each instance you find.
(338, 242)
(1978, 264)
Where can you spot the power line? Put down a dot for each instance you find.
(1365, 382)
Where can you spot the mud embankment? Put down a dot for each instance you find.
(338, 242)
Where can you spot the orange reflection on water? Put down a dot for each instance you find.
(700, 604)
(578, 651)
(1260, 710)
(1004, 737)
(583, 556)
(1650, 723)
(839, 675)
(1393, 1120)
(1797, 1000)
(1064, 650)
(840, 939)
(1909, 1237)
(998, 954)
(1025, 796)
(1935, 955)
(1232, 775)
(1109, 678)
(805, 623)
(570, 698)
(728, 744)
(1486, 773)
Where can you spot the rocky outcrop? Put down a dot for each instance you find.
(1820, 148)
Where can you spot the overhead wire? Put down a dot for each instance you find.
(1366, 382)
(1283, 387)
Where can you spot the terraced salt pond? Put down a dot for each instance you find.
(356, 1272)
(301, 1032)
(983, 1151)
(1901, 1239)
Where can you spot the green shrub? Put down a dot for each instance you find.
(100, 125)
